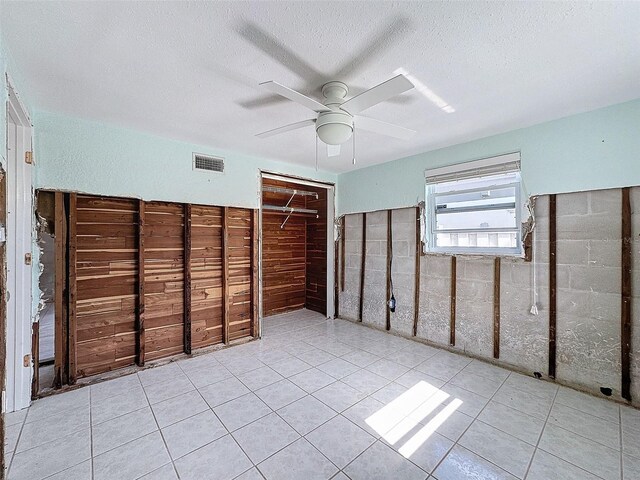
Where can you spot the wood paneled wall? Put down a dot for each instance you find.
(138, 273)
(294, 258)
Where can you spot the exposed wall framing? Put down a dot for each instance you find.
(452, 306)
(137, 281)
(553, 285)
(625, 314)
(496, 307)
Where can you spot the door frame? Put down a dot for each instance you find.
(331, 235)
(19, 230)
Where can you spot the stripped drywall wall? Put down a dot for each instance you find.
(589, 151)
(589, 333)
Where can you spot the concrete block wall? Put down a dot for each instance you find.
(375, 285)
(588, 292)
(349, 296)
(589, 283)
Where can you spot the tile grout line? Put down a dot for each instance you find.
(15, 448)
(546, 421)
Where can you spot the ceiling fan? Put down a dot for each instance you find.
(337, 117)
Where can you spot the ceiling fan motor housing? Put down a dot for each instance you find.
(334, 128)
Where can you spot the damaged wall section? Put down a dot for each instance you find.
(588, 307)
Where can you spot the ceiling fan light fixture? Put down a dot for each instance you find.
(334, 128)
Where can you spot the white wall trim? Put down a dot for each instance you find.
(19, 242)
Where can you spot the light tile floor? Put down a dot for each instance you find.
(320, 399)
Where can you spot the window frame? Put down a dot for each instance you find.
(431, 221)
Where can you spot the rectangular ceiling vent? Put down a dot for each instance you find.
(205, 162)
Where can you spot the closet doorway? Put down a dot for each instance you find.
(297, 253)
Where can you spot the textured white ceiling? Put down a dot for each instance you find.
(190, 71)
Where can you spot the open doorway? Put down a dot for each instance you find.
(297, 245)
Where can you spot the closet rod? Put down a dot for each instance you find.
(289, 191)
(289, 209)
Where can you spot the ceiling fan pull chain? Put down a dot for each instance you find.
(354, 142)
(316, 152)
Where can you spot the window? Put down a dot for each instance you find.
(475, 207)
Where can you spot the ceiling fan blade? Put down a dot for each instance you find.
(295, 96)
(287, 128)
(333, 150)
(280, 53)
(377, 94)
(383, 128)
(389, 35)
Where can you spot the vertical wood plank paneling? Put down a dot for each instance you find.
(255, 274)
(316, 252)
(416, 285)
(239, 272)
(225, 275)
(206, 276)
(73, 293)
(626, 252)
(187, 280)
(140, 335)
(35, 352)
(343, 254)
(60, 328)
(164, 266)
(496, 307)
(363, 257)
(389, 260)
(452, 319)
(107, 283)
(552, 286)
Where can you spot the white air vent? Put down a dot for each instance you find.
(205, 162)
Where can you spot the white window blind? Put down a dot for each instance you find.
(509, 162)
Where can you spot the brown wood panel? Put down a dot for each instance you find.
(627, 261)
(553, 299)
(164, 279)
(140, 339)
(283, 253)
(316, 252)
(240, 275)
(73, 291)
(61, 360)
(206, 276)
(107, 341)
(255, 272)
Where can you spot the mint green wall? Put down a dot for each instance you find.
(594, 150)
(85, 156)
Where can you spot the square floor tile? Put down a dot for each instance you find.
(113, 407)
(300, 460)
(594, 428)
(160, 391)
(81, 471)
(339, 396)
(52, 457)
(486, 370)
(499, 448)
(222, 459)
(290, 367)
(164, 373)
(444, 365)
(113, 387)
(44, 408)
(472, 403)
(598, 407)
(306, 414)
(631, 467)
(631, 441)
(203, 376)
(252, 474)
(52, 428)
(407, 358)
(312, 380)
(340, 440)
(264, 437)
(261, 377)
(223, 391)
(360, 358)
(424, 447)
(361, 412)
(178, 408)
(380, 462)
(525, 402)
(125, 462)
(412, 377)
(532, 385)
(365, 381)
(475, 383)
(315, 357)
(582, 452)
(241, 411)
(460, 463)
(547, 467)
(238, 366)
(338, 368)
(520, 425)
(192, 433)
(280, 394)
(120, 430)
(387, 369)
